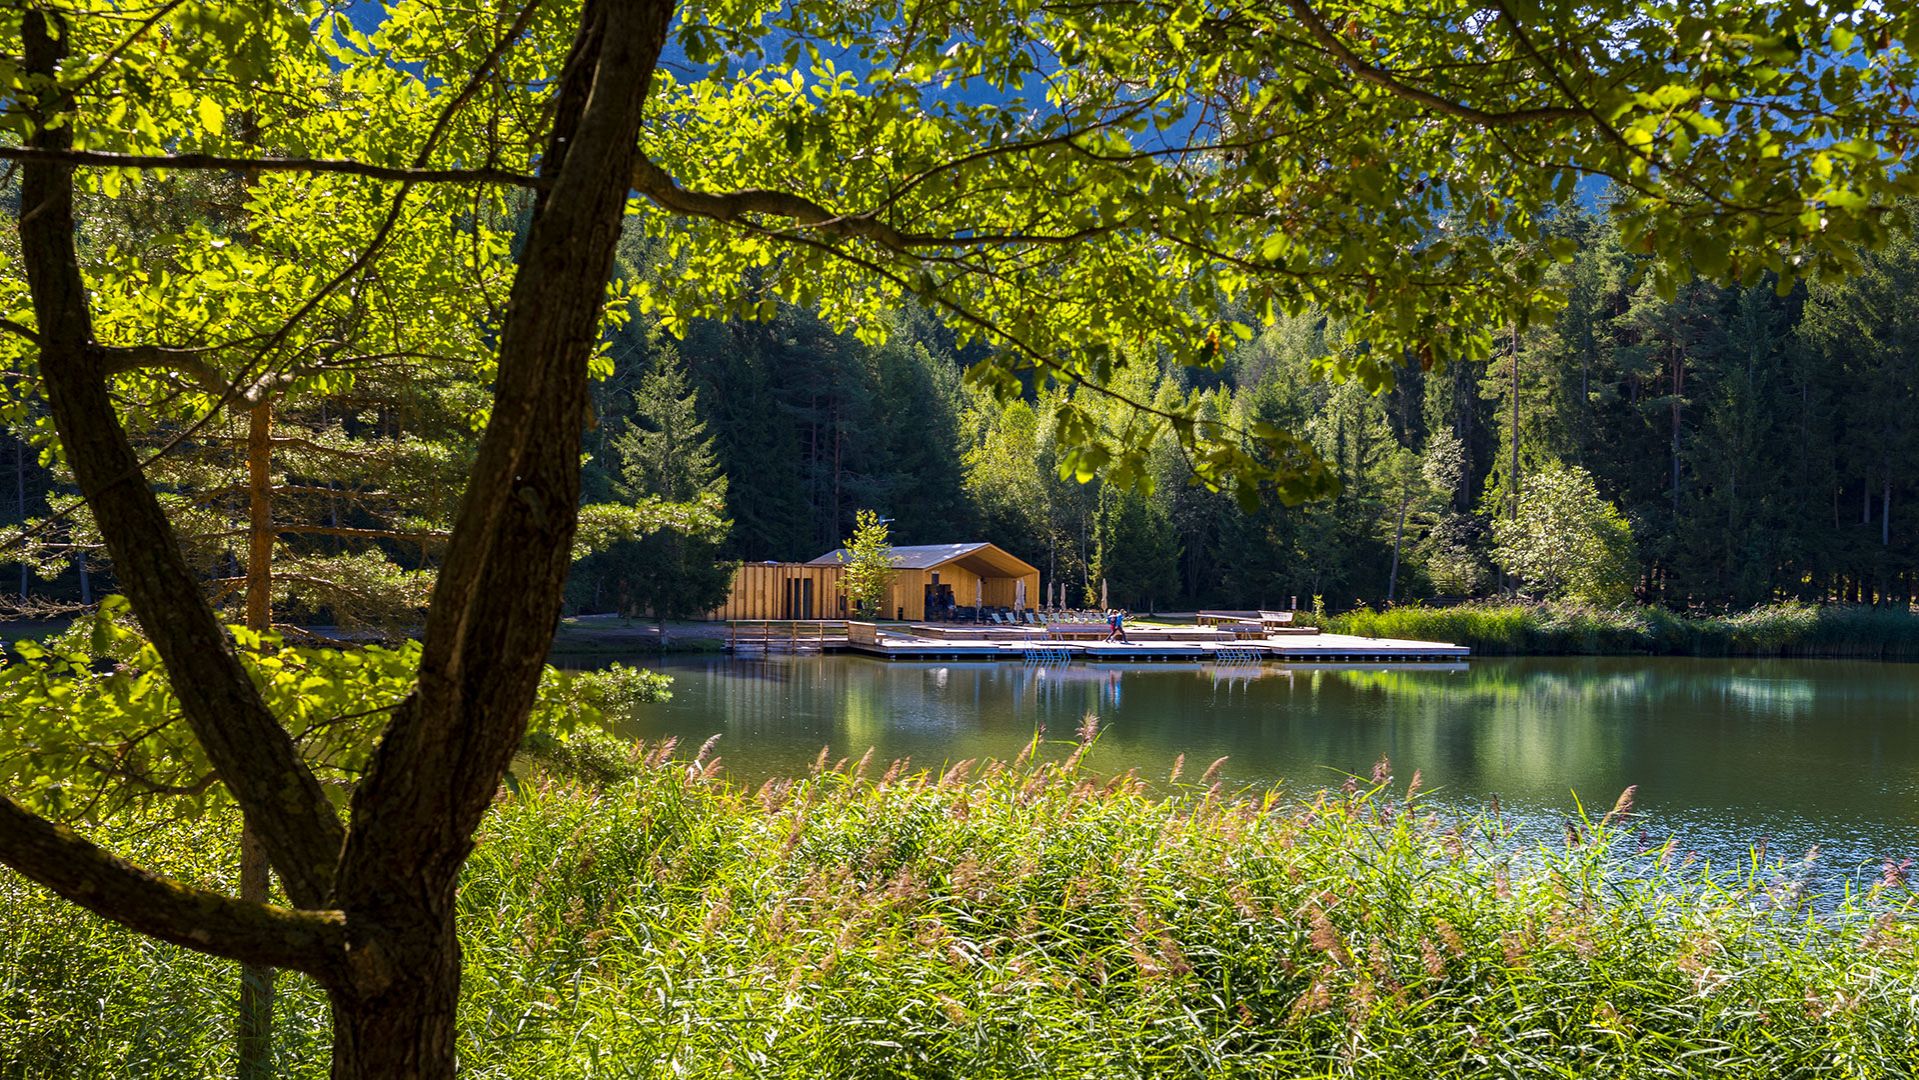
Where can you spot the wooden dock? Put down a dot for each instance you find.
(785, 635)
(869, 639)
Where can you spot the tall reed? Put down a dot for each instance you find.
(1787, 629)
(987, 919)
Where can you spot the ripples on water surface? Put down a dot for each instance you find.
(1725, 752)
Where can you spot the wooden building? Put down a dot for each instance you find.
(777, 590)
(929, 580)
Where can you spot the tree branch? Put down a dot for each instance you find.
(497, 597)
(243, 740)
(304, 444)
(88, 875)
(107, 159)
(653, 182)
(278, 337)
(730, 207)
(1365, 72)
(364, 534)
(114, 53)
(193, 363)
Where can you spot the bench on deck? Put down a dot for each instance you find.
(980, 634)
(1281, 622)
(1179, 633)
(1251, 624)
(1069, 631)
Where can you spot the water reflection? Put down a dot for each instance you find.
(1724, 751)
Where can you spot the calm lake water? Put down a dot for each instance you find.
(1725, 752)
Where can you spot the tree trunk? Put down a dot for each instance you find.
(404, 1027)
(1399, 531)
(1515, 465)
(253, 1027)
(378, 930)
(244, 742)
(498, 595)
(1465, 404)
(1506, 581)
(20, 500)
(1678, 386)
(260, 517)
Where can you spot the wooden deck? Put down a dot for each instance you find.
(786, 635)
(1318, 648)
(1220, 644)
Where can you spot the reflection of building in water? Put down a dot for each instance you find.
(1240, 677)
(1073, 687)
(1780, 698)
(1102, 686)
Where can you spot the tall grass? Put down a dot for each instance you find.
(1030, 919)
(1789, 629)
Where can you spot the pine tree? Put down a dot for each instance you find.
(1867, 330)
(1135, 551)
(666, 456)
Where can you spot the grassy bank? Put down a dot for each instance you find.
(1795, 630)
(1029, 920)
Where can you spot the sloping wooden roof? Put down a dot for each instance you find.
(986, 560)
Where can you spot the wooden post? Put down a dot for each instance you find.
(1515, 468)
(254, 1029)
(20, 499)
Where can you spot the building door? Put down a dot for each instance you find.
(796, 599)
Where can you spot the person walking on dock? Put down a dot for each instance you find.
(1116, 620)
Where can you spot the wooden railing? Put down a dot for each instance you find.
(784, 635)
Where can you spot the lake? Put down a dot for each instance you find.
(1725, 752)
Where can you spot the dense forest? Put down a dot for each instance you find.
(1720, 448)
(1716, 449)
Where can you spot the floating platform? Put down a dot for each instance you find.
(1313, 649)
(1019, 644)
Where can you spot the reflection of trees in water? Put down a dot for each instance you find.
(1779, 687)
(1711, 741)
(1479, 685)
(1733, 739)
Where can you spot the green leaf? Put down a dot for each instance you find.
(212, 116)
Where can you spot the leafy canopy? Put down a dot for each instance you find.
(1091, 186)
(1079, 188)
(1566, 541)
(93, 726)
